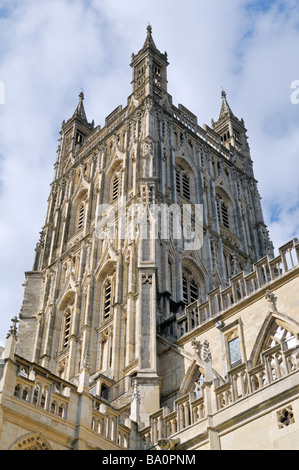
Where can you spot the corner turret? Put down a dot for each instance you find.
(149, 75)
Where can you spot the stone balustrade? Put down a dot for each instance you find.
(41, 391)
(164, 423)
(244, 380)
(105, 421)
(241, 286)
(53, 395)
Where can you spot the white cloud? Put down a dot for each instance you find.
(51, 49)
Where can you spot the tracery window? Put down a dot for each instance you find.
(279, 335)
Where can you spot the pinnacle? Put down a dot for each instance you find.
(149, 38)
(80, 111)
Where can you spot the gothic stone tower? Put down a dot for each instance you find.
(100, 291)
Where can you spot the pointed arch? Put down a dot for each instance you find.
(66, 298)
(81, 185)
(78, 211)
(65, 320)
(113, 180)
(276, 328)
(31, 441)
(185, 175)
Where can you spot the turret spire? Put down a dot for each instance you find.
(149, 69)
(149, 38)
(225, 108)
(80, 111)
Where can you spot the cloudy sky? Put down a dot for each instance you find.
(51, 49)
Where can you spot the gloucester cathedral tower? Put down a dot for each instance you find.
(156, 315)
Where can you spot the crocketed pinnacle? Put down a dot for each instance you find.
(80, 111)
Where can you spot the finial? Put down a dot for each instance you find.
(81, 94)
(149, 29)
(223, 93)
(13, 329)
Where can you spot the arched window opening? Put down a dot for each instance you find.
(115, 187)
(67, 328)
(182, 179)
(222, 212)
(186, 186)
(81, 212)
(107, 298)
(79, 138)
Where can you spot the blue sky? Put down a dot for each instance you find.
(50, 50)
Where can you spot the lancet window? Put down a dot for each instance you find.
(67, 327)
(222, 212)
(182, 179)
(115, 186)
(81, 211)
(108, 295)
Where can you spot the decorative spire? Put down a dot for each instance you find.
(225, 108)
(80, 111)
(149, 38)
